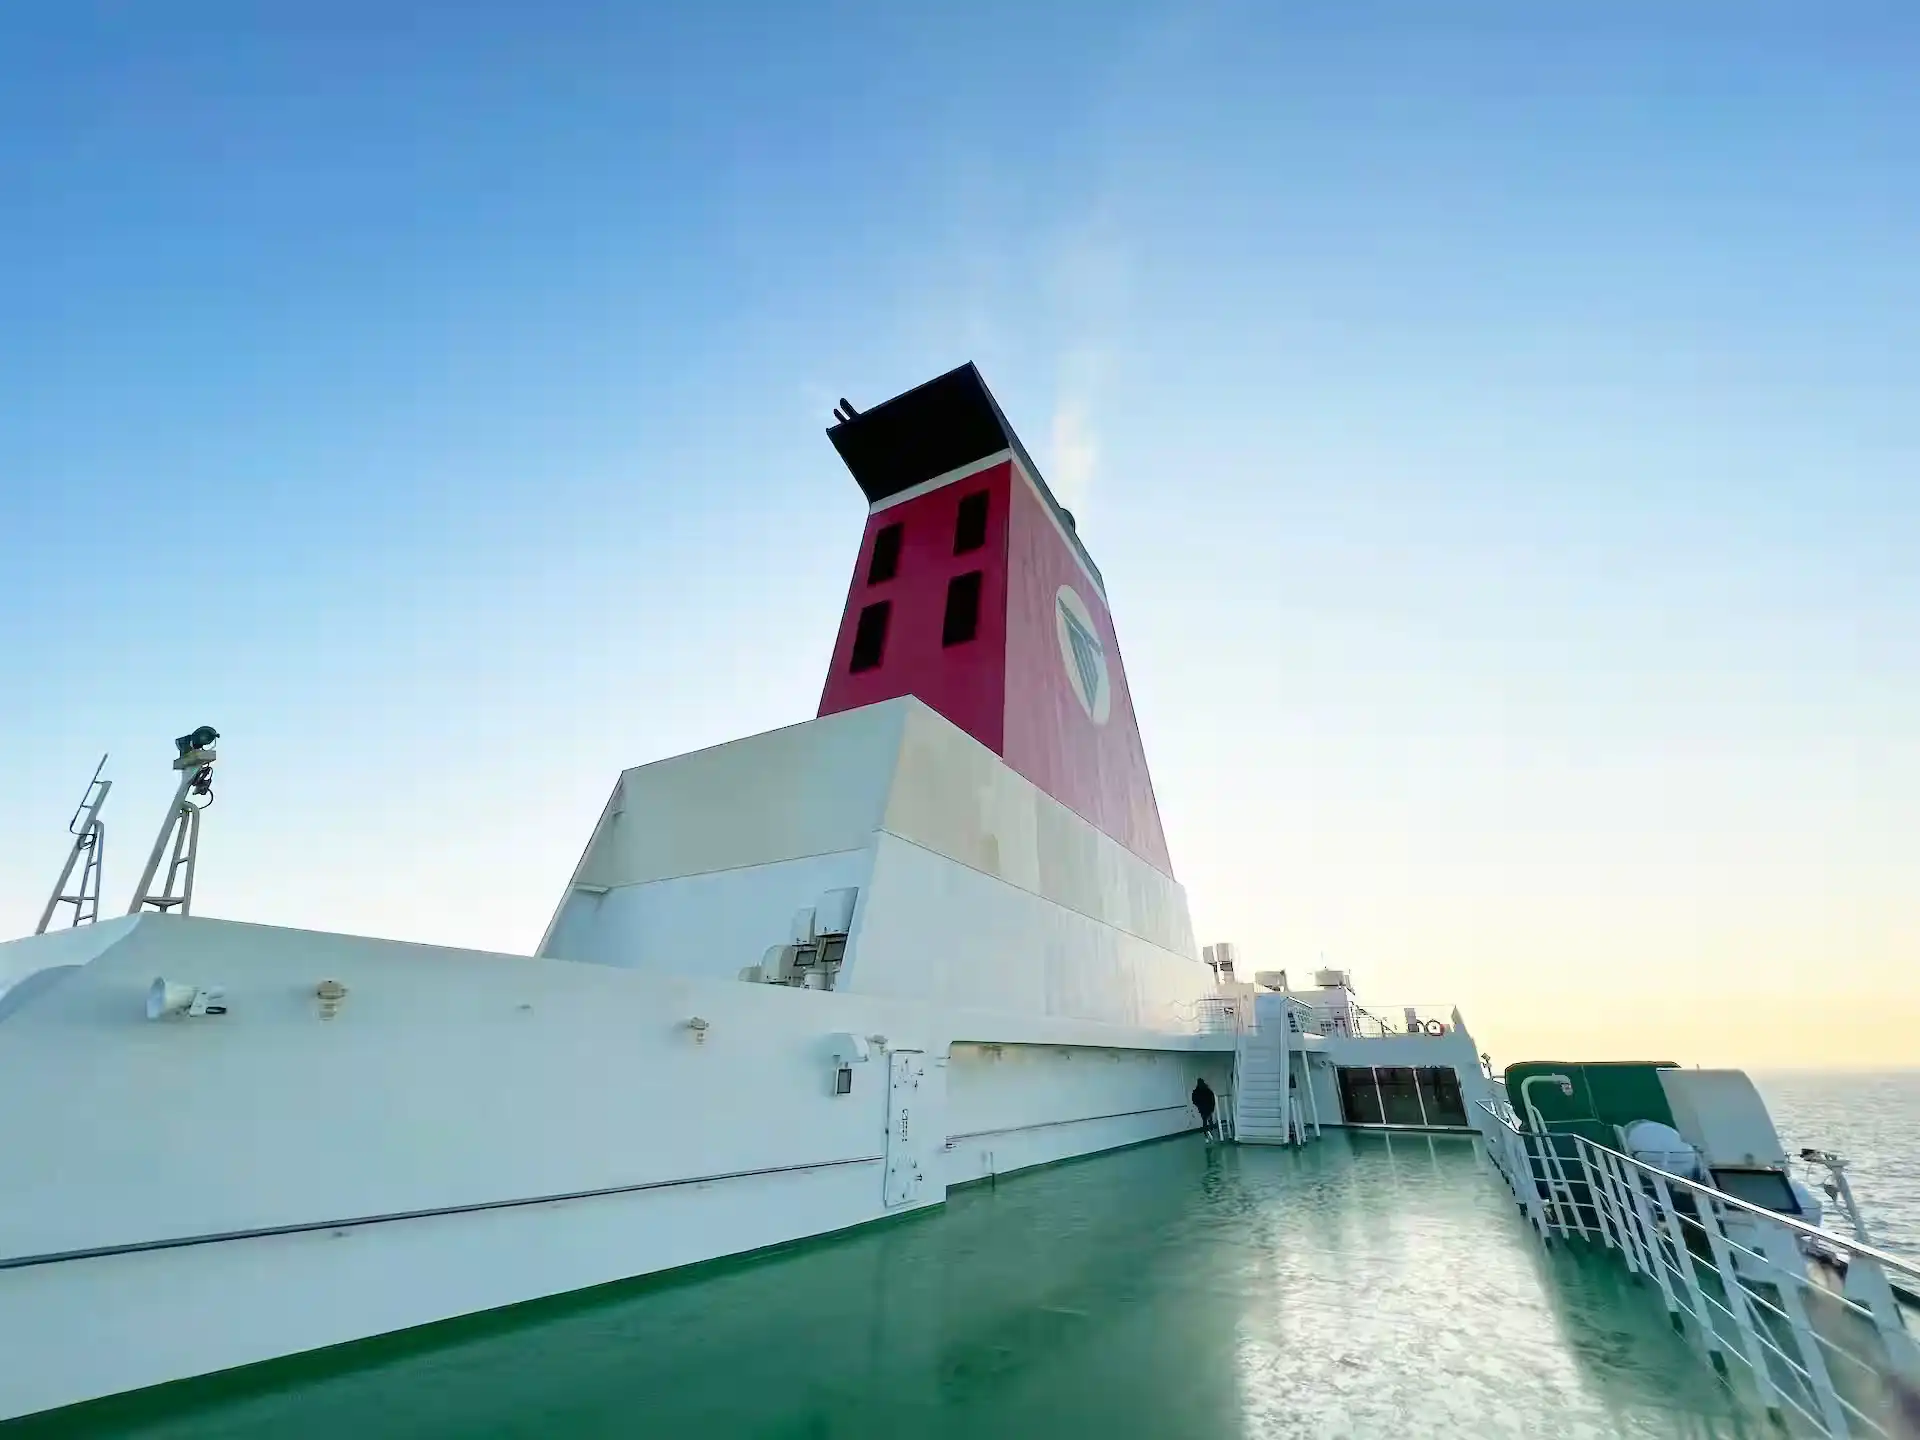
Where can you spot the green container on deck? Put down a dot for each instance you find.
(1606, 1094)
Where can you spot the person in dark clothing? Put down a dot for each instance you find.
(1203, 1101)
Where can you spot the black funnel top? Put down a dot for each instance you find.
(951, 421)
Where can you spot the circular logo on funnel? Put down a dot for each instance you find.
(1082, 652)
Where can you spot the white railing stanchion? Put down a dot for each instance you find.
(1656, 1246)
(1746, 1319)
(1536, 1207)
(1593, 1194)
(1815, 1367)
(1558, 1186)
(1683, 1257)
(1867, 1287)
(1630, 1246)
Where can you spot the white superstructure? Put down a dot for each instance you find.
(797, 982)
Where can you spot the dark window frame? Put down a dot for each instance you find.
(1359, 1095)
(1399, 1087)
(870, 637)
(1440, 1096)
(884, 563)
(970, 522)
(961, 621)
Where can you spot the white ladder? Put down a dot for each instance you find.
(1262, 1100)
(89, 850)
(1268, 1086)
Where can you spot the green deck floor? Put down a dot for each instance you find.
(1366, 1286)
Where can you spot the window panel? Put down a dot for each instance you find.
(962, 621)
(885, 563)
(1399, 1095)
(1359, 1099)
(870, 637)
(970, 528)
(1440, 1095)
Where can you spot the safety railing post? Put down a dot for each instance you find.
(1557, 1185)
(1688, 1272)
(1531, 1198)
(1746, 1319)
(1630, 1246)
(1814, 1358)
(1656, 1248)
(1683, 1259)
(1867, 1287)
(1593, 1191)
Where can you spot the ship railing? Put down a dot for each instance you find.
(1224, 1015)
(1796, 1317)
(1234, 1015)
(1385, 1022)
(1305, 1019)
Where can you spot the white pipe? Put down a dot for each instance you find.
(1565, 1082)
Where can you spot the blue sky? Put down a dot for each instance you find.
(1498, 430)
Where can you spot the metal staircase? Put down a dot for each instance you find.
(1269, 1077)
(1263, 1106)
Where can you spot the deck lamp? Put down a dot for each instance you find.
(200, 739)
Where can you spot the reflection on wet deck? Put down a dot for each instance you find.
(1368, 1285)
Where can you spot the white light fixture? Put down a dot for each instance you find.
(849, 1049)
(699, 1028)
(174, 997)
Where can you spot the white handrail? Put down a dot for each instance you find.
(1817, 1232)
(1753, 1272)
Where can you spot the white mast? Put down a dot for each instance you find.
(90, 842)
(182, 828)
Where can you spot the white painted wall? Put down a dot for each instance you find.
(809, 789)
(710, 925)
(83, 1329)
(448, 1078)
(456, 1078)
(934, 929)
(1011, 1106)
(75, 945)
(953, 796)
(988, 913)
(977, 889)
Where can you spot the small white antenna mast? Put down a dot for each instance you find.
(181, 829)
(89, 846)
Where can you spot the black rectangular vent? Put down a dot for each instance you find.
(963, 609)
(970, 529)
(885, 563)
(870, 637)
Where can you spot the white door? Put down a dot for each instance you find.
(907, 1148)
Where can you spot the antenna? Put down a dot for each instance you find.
(90, 842)
(181, 828)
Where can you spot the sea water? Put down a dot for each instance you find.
(1871, 1119)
